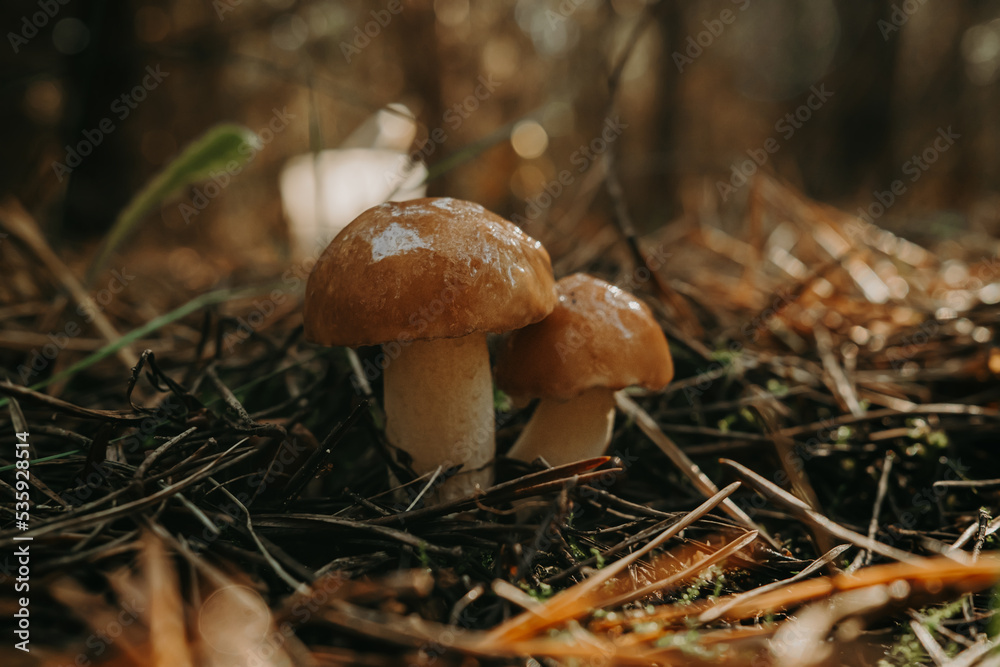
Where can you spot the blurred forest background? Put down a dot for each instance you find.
(707, 82)
(581, 120)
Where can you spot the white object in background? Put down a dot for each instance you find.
(323, 192)
(350, 181)
(393, 127)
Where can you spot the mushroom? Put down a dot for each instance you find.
(599, 339)
(428, 279)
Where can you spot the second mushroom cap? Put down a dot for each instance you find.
(598, 336)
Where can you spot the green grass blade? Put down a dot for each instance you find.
(207, 299)
(205, 156)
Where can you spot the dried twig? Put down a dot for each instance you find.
(23, 226)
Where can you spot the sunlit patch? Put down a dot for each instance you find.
(990, 294)
(994, 363)
(396, 240)
(234, 620)
(529, 139)
(451, 13)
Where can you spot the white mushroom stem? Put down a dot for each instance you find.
(566, 431)
(439, 409)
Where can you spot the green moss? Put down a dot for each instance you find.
(777, 387)
(541, 593)
(908, 650)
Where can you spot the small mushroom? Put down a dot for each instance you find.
(428, 279)
(599, 339)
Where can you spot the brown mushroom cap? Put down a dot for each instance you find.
(425, 269)
(598, 336)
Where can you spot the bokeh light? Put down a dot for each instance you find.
(529, 139)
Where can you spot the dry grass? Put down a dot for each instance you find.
(846, 375)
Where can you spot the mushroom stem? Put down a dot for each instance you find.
(566, 431)
(439, 409)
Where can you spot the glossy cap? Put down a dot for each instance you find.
(425, 269)
(598, 336)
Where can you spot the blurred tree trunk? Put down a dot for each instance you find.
(662, 179)
(97, 78)
(938, 99)
(422, 72)
(846, 144)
